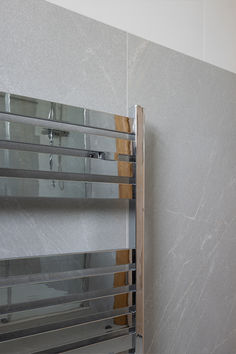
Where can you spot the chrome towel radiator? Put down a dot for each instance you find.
(88, 302)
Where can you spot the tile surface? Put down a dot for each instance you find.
(34, 227)
(190, 108)
(190, 285)
(177, 24)
(50, 53)
(204, 29)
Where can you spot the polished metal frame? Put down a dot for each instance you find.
(31, 325)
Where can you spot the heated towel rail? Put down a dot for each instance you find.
(82, 302)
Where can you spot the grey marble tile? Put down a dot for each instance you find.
(190, 238)
(39, 227)
(51, 53)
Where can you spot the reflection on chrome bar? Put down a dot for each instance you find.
(47, 306)
(35, 108)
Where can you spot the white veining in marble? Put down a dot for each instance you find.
(190, 240)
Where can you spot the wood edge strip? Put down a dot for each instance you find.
(140, 205)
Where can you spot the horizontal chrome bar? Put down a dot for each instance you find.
(32, 134)
(50, 149)
(66, 339)
(65, 348)
(60, 325)
(43, 188)
(90, 341)
(61, 313)
(4, 309)
(18, 262)
(29, 160)
(38, 108)
(63, 126)
(51, 277)
(120, 345)
(64, 176)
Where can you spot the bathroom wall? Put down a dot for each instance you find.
(53, 54)
(190, 107)
(204, 29)
(190, 243)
